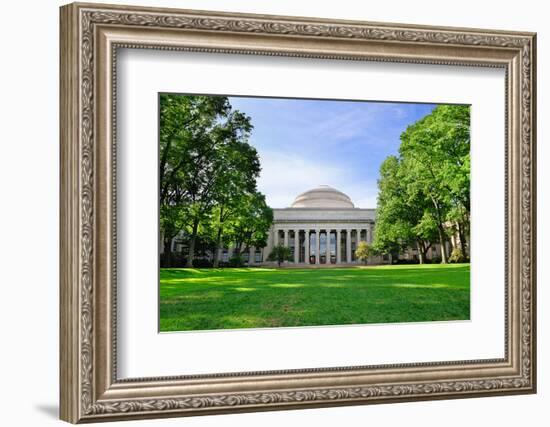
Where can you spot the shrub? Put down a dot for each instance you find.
(363, 252)
(457, 255)
(202, 263)
(435, 260)
(179, 260)
(406, 261)
(175, 260)
(280, 254)
(236, 261)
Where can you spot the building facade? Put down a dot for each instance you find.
(321, 227)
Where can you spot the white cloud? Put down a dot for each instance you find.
(363, 194)
(345, 125)
(284, 176)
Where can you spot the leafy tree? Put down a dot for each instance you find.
(424, 193)
(238, 191)
(250, 223)
(363, 251)
(220, 215)
(401, 220)
(393, 230)
(426, 231)
(435, 152)
(204, 158)
(280, 254)
(181, 120)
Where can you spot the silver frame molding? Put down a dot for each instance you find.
(90, 36)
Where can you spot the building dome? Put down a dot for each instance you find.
(323, 196)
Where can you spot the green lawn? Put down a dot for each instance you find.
(231, 298)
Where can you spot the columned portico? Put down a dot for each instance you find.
(318, 243)
(331, 226)
(308, 228)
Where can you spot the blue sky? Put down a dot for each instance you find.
(306, 143)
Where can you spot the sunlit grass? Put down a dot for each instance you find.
(204, 299)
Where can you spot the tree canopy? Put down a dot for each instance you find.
(424, 192)
(207, 171)
(280, 254)
(363, 251)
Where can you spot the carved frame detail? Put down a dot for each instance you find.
(90, 390)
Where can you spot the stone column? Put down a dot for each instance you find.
(296, 246)
(285, 240)
(327, 248)
(317, 246)
(348, 245)
(173, 244)
(306, 239)
(371, 232)
(338, 249)
(357, 240)
(251, 255)
(276, 237)
(268, 245)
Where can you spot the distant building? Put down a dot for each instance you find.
(316, 217)
(322, 226)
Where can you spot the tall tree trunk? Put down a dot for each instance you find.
(421, 256)
(424, 248)
(191, 254)
(440, 230)
(216, 262)
(420, 247)
(167, 254)
(443, 247)
(461, 236)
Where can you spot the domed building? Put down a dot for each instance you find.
(321, 227)
(323, 196)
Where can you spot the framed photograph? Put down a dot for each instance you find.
(266, 212)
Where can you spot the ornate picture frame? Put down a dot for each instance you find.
(90, 37)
